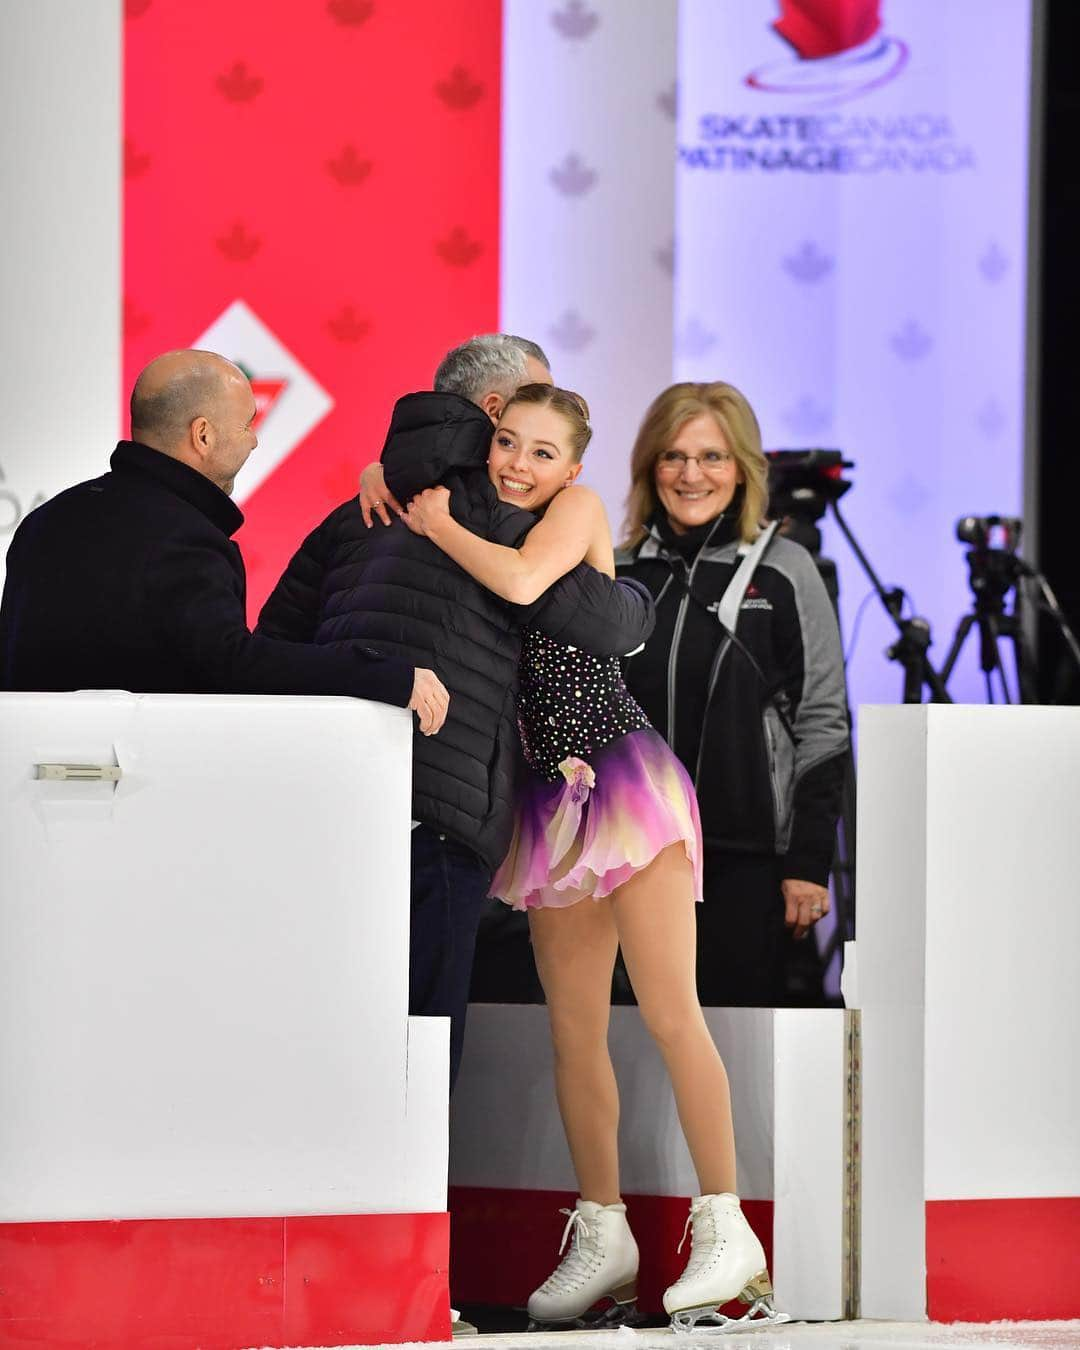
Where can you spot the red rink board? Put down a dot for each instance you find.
(991, 1259)
(335, 165)
(221, 1284)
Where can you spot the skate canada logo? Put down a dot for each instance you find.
(839, 50)
(266, 391)
(835, 52)
(289, 401)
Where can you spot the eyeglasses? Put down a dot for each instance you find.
(674, 461)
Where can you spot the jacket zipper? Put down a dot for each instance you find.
(680, 621)
(714, 675)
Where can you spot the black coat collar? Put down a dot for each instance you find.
(131, 457)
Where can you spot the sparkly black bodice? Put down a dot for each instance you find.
(570, 703)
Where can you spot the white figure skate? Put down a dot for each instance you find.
(726, 1261)
(601, 1264)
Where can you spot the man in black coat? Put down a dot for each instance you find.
(131, 580)
(403, 596)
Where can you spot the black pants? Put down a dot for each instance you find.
(504, 970)
(746, 957)
(448, 888)
(740, 932)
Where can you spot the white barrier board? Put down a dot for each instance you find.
(968, 935)
(786, 1068)
(203, 967)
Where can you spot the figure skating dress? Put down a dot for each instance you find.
(602, 793)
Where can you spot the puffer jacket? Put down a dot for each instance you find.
(758, 719)
(406, 598)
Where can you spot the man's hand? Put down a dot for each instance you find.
(376, 496)
(426, 507)
(804, 903)
(429, 701)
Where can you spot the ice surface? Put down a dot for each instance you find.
(864, 1335)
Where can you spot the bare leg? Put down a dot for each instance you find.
(655, 919)
(575, 956)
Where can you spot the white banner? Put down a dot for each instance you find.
(851, 242)
(60, 266)
(588, 207)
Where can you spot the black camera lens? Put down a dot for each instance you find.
(972, 530)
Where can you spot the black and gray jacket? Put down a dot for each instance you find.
(744, 676)
(406, 598)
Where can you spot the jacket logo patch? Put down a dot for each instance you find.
(755, 600)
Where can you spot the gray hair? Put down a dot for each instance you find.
(490, 362)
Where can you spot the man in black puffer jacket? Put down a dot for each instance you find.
(402, 596)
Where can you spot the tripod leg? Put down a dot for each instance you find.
(963, 628)
(1022, 650)
(991, 633)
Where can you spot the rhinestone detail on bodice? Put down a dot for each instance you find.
(570, 703)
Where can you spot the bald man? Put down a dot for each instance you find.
(132, 581)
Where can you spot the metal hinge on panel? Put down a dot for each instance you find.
(852, 1228)
(96, 773)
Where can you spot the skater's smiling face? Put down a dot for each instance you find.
(535, 450)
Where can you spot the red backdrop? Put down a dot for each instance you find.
(335, 165)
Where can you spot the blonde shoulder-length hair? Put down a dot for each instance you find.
(668, 412)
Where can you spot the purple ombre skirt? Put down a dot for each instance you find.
(604, 820)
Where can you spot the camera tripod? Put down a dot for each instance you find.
(804, 486)
(913, 635)
(993, 573)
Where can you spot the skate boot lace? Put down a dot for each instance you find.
(580, 1262)
(704, 1244)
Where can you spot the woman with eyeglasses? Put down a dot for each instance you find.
(743, 676)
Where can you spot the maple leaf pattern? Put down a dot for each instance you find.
(809, 264)
(993, 264)
(458, 249)
(350, 13)
(348, 168)
(459, 90)
(571, 332)
(239, 245)
(912, 342)
(573, 177)
(135, 162)
(575, 20)
(238, 84)
(348, 326)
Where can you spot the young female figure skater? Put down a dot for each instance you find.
(606, 853)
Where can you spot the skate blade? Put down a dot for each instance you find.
(621, 1311)
(758, 1293)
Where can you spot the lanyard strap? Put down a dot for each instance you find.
(731, 600)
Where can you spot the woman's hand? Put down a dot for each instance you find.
(376, 496)
(804, 903)
(426, 509)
